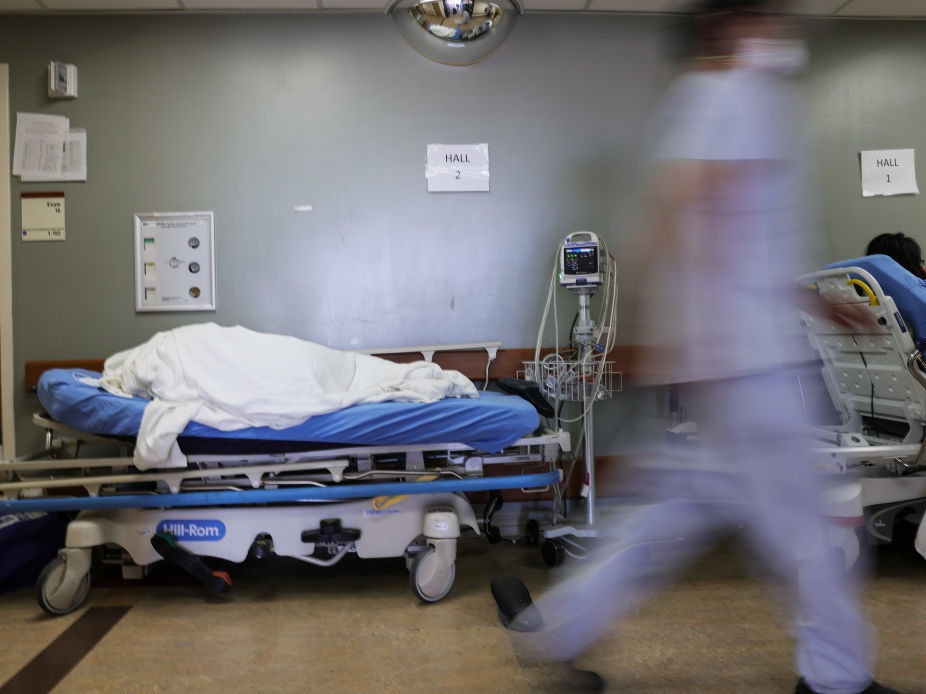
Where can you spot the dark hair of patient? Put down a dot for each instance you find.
(901, 248)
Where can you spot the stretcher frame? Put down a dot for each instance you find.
(316, 506)
(875, 374)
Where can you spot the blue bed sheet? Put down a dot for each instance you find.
(488, 423)
(907, 290)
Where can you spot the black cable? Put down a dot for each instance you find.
(874, 422)
(495, 502)
(493, 535)
(572, 328)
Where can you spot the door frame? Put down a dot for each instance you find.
(7, 419)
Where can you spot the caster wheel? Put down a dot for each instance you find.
(48, 589)
(553, 553)
(532, 533)
(431, 578)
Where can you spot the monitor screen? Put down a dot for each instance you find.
(582, 260)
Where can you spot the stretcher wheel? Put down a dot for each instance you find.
(48, 589)
(553, 552)
(431, 577)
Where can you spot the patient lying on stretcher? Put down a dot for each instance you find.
(230, 378)
(905, 250)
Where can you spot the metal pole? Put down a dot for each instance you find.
(590, 510)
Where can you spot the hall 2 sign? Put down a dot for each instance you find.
(889, 172)
(458, 168)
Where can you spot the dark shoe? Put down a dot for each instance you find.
(873, 688)
(530, 391)
(516, 610)
(563, 678)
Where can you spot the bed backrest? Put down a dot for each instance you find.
(866, 372)
(907, 290)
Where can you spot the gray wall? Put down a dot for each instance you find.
(867, 92)
(248, 116)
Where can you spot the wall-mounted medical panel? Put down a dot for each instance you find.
(174, 261)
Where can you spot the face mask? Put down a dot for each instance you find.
(782, 56)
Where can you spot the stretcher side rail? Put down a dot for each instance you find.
(842, 459)
(544, 444)
(286, 495)
(254, 476)
(343, 466)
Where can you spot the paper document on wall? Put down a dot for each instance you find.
(75, 155)
(889, 172)
(47, 149)
(38, 148)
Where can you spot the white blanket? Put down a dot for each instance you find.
(233, 378)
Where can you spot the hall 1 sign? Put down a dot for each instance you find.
(458, 168)
(888, 172)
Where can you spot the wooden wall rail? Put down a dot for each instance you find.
(34, 369)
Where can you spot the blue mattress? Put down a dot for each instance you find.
(488, 423)
(907, 290)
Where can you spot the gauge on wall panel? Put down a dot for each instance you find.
(169, 246)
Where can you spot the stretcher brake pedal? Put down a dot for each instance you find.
(330, 533)
(166, 545)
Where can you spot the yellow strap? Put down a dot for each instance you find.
(381, 503)
(872, 299)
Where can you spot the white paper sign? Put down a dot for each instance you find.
(454, 168)
(888, 172)
(43, 217)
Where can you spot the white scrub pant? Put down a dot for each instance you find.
(920, 541)
(751, 474)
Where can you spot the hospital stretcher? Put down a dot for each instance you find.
(876, 379)
(377, 480)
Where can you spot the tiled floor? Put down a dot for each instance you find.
(356, 627)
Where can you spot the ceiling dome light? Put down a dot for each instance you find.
(454, 32)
